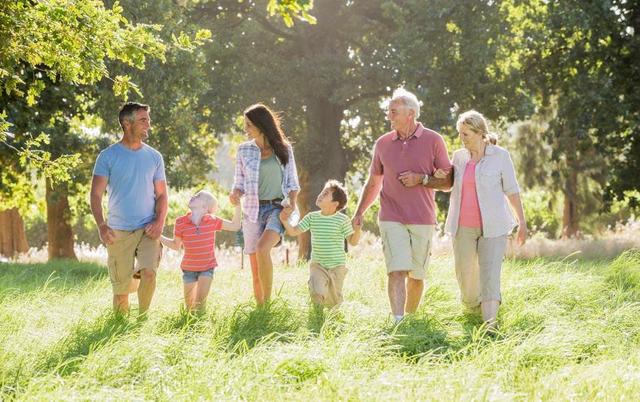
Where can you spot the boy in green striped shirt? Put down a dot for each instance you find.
(329, 228)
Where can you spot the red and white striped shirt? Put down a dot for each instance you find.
(199, 242)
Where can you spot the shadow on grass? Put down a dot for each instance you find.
(248, 325)
(66, 356)
(64, 274)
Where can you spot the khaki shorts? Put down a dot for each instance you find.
(478, 263)
(406, 247)
(325, 285)
(128, 247)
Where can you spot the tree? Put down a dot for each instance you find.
(49, 50)
(572, 55)
(51, 53)
(329, 78)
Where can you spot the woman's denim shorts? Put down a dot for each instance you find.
(268, 219)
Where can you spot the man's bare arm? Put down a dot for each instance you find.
(441, 183)
(98, 187)
(369, 194)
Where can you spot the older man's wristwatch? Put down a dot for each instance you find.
(425, 179)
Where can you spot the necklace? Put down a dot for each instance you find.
(409, 136)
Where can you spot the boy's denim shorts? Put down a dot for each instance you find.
(192, 276)
(268, 219)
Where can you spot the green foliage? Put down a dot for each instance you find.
(570, 59)
(48, 51)
(541, 212)
(69, 41)
(290, 9)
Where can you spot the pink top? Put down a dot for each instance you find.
(199, 242)
(423, 152)
(469, 207)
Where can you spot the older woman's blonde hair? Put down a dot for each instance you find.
(477, 123)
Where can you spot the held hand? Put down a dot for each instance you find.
(410, 179)
(356, 221)
(288, 203)
(234, 197)
(106, 234)
(286, 213)
(154, 229)
(440, 174)
(521, 236)
(357, 226)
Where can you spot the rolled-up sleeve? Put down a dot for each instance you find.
(509, 181)
(291, 174)
(238, 176)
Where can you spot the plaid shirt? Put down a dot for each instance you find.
(246, 176)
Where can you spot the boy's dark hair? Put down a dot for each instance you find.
(338, 193)
(128, 111)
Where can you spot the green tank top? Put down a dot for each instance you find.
(270, 179)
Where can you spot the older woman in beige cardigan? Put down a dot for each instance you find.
(479, 218)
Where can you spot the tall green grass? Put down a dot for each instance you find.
(569, 330)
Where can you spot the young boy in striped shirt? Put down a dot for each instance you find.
(329, 228)
(196, 232)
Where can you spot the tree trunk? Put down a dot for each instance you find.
(320, 155)
(59, 233)
(12, 236)
(570, 220)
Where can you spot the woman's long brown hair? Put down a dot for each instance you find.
(269, 124)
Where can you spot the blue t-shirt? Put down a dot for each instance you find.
(130, 176)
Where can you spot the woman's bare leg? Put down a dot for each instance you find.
(255, 277)
(266, 242)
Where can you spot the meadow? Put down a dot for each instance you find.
(569, 330)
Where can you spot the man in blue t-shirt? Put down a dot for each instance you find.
(133, 175)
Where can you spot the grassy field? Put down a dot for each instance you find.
(570, 330)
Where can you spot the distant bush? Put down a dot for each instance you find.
(540, 214)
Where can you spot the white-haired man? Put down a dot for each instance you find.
(401, 172)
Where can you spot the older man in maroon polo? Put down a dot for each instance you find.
(401, 172)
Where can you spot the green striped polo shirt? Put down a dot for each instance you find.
(327, 237)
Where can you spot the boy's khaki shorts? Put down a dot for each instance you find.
(325, 285)
(406, 247)
(128, 247)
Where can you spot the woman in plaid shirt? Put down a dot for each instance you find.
(266, 176)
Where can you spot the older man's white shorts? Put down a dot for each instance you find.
(406, 247)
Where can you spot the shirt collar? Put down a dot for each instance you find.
(417, 133)
(490, 149)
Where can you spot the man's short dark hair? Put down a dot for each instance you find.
(129, 110)
(338, 193)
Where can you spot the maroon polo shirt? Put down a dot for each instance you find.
(423, 152)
